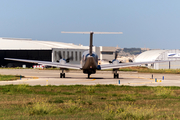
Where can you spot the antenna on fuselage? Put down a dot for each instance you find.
(91, 37)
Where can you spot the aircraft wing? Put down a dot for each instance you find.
(46, 63)
(121, 65)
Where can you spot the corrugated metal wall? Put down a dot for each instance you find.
(169, 65)
(66, 53)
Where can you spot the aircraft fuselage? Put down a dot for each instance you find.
(89, 63)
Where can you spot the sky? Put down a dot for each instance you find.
(153, 24)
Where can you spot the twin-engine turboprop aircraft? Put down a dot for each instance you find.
(89, 60)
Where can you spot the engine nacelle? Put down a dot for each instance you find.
(62, 61)
(115, 61)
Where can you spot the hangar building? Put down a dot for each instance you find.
(45, 51)
(156, 55)
(37, 50)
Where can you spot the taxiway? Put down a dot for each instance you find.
(51, 77)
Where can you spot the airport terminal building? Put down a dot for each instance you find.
(45, 51)
(157, 55)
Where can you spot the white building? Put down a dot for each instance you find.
(37, 50)
(156, 55)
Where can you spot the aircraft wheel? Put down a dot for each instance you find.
(116, 75)
(64, 75)
(60, 75)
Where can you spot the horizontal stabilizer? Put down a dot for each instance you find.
(94, 32)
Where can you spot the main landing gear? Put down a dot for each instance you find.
(116, 75)
(62, 75)
(89, 75)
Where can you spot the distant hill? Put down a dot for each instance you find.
(133, 51)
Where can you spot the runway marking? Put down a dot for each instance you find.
(31, 77)
(28, 78)
(46, 82)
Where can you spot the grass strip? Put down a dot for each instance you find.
(9, 77)
(147, 70)
(89, 102)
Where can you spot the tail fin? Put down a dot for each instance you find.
(91, 43)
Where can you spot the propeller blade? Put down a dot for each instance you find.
(68, 59)
(130, 60)
(60, 56)
(116, 54)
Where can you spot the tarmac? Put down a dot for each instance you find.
(77, 77)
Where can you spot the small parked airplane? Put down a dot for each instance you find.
(89, 60)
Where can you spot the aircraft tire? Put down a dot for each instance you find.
(116, 75)
(89, 75)
(60, 75)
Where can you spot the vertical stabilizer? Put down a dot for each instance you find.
(91, 43)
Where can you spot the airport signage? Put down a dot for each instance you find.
(173, 55)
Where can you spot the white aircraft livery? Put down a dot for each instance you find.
(89, 60)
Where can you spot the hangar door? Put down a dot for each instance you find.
(44, 55)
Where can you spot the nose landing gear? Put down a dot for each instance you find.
(89, 75)
(62, 75)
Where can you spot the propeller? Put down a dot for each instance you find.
(115, 57)
(115, 61)
(130, 60)
(60, 58)
(68, 59)
(116, 54)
